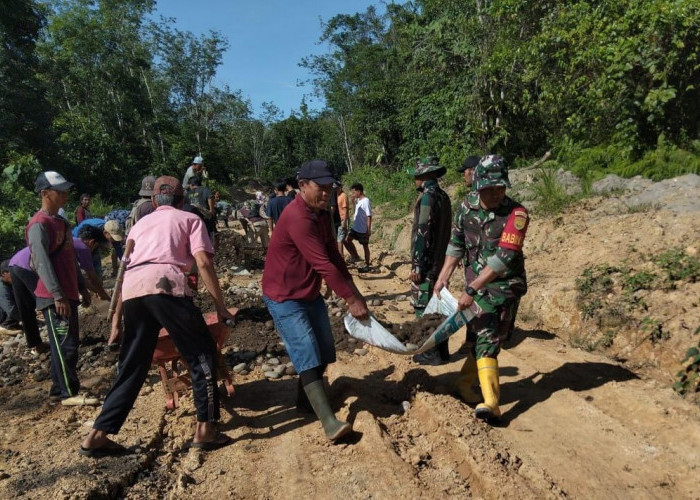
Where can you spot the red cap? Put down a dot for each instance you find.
(168, 185)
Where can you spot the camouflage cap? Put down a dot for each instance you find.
(426, 165)
(491, 171)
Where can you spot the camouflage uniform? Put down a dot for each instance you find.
(493, 237)
(430, 234)
(429, 237)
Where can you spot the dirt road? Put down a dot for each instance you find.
(576, 424)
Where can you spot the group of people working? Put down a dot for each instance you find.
(305, 249)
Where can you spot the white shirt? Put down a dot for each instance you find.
(363, 209)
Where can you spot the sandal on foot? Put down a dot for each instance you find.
(80, 401)
(219, 441)
(111, 449)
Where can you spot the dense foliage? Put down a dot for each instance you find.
(105, 94)
(515, 77)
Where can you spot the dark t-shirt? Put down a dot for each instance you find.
(198, 198)
(276, 205)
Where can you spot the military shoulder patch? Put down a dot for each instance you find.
(520, 220)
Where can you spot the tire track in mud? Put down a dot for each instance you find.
(444, 444)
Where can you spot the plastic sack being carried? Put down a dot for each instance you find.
(373, 333)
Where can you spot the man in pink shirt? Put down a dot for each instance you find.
(302, 253)
(155, 294)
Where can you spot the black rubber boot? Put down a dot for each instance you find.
(333, 427)
(438, 355)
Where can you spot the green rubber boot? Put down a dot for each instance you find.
(333, 427)
(303, 404)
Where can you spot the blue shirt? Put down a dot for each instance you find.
(95, 222)
(276, 205)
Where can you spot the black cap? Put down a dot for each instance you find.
(51, 180)
(469, 162)
(317, 171)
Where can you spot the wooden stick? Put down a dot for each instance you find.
(120, 278)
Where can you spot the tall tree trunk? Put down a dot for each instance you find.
(346, 142)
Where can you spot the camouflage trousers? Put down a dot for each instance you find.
(420, 295)
(493, 324)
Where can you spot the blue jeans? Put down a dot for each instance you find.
(305, 330)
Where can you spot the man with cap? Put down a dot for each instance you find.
(114, 234)
(488, 234)
(432, 223)
(156, 294)
(302, 253)
(467, 170)
(197, 168)
(60, 283)
(143, 206)
(200, 201)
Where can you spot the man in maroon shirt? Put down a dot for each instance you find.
(82, 213)
(302, 253)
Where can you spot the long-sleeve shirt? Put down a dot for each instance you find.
(38, 240)
(303, 250)
(7, 302)
(432, 226)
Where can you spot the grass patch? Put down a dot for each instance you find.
(688, 379)
(608, 295)
(549, 194)
(395, 188)
(678, 266)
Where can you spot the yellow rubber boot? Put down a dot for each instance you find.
(465, 381)
(490, 388)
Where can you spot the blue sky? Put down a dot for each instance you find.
(268, 39)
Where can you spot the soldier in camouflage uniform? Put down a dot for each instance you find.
(467, 169)
(488, 234)
(432, 220)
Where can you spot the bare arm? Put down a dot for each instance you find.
(96, 284)
(445, 274)
(211, 282)
(212, 212)
(116, 330)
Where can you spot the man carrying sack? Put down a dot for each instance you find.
(432, 223)
(488, 233)
(302, 252)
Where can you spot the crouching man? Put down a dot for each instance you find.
(155, 294)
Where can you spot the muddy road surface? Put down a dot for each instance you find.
(576, 424)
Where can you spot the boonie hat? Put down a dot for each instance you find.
(114, 230)
(147, 186)
(166, 184)
(491, 171)
(317, 171)
(51, 180)
(427, 165)
(469, 163)
(198, 160)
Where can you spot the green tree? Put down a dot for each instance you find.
(25, 116)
